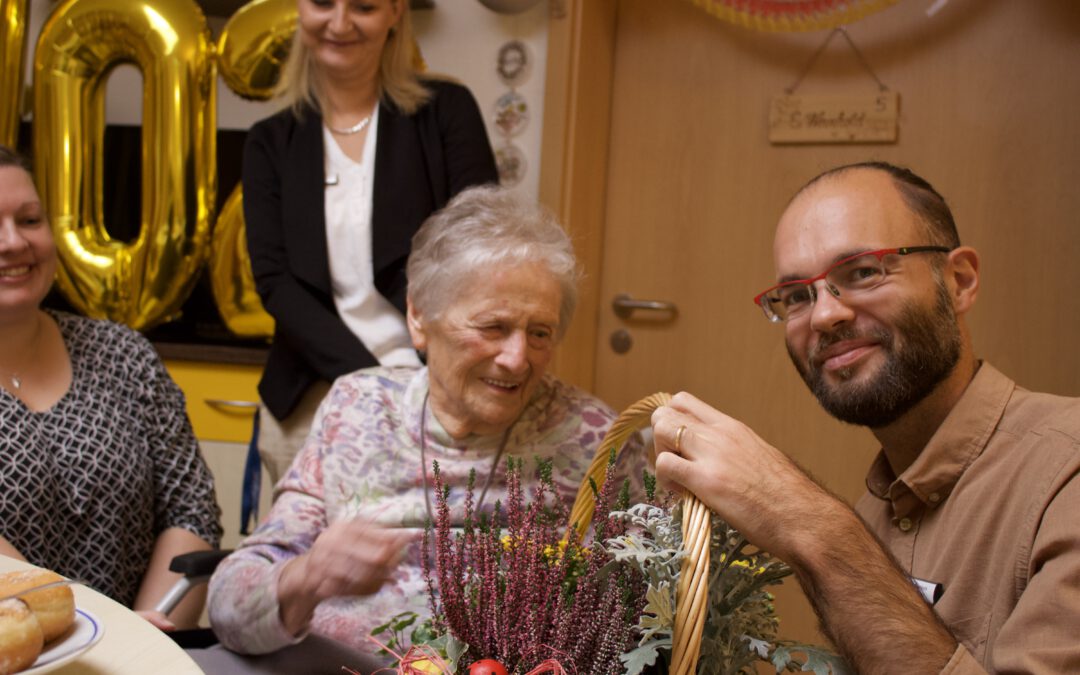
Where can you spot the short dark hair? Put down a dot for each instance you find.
(917, 192)
(12, 157)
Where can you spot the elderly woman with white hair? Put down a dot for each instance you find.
(492, 287)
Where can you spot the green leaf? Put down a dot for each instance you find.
(403, 621)
(455, 649)
(649, 481)
(659, 613)
(781, 657)
(425, 634)
(638, 659)
(823, 662)
(382, 628)
(761, 647)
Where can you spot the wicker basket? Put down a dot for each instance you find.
(693, 590)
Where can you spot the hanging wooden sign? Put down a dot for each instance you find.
(848, 118)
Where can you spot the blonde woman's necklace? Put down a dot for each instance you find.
(354, 129)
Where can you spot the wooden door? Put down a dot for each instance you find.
(690, 189)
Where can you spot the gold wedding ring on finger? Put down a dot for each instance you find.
(678, 438)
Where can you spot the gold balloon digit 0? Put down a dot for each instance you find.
(13, 41)
(145, 282)
(251, 51)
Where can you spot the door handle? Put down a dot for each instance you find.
(625, 306)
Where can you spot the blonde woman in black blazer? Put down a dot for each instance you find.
(347, 61)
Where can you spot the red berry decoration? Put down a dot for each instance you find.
(487, 667)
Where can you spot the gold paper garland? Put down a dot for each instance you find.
(791, 15)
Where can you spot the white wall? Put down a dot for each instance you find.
(460, 38)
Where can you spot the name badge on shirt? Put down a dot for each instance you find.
(930, 591)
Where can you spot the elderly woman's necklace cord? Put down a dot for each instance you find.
(354, 129)
(423, 460)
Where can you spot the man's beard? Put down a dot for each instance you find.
(930, 351)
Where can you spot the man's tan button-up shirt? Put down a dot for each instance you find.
(990, 510)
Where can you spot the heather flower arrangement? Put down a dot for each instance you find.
(533, 597)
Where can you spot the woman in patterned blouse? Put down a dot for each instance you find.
(492, 287)
(100, 475)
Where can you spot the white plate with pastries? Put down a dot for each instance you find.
(83, 634)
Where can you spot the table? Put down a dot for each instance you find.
(130, 644)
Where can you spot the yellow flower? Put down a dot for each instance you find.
(425, 665)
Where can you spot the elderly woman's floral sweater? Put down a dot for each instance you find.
(363, 459)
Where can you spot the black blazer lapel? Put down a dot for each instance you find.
(302, 203)
(402, 191)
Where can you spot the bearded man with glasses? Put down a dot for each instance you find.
(964, 554)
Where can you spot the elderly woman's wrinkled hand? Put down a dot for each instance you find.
(351, 557)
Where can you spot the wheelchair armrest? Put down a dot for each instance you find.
(196, 567)
(197, 563)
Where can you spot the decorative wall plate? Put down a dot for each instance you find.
(511, 114)
(514, 63)
(511, 163)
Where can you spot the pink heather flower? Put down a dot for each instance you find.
(516, 591)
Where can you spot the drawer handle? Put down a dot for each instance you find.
(231, 406)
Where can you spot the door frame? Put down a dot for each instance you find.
(574, 161)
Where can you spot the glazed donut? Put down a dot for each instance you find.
(53, 607)
(20, 636)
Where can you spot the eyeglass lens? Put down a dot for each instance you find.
(847, 277)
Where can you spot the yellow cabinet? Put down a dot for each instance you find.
(221, 397)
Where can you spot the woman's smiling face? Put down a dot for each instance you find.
(489, 349)
(27, 251)
(346, 37)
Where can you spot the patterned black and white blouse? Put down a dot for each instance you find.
(87, 486)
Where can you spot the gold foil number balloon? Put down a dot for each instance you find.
(254, 45)
(145, 282)
(251, 52)
(13, 18)
(230, 275)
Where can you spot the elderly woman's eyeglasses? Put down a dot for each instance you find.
(850, 276)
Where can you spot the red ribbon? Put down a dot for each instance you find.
(549, 666)
(415, 654)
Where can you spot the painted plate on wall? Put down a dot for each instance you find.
(511, 114)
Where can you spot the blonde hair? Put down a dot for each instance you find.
(399, 78)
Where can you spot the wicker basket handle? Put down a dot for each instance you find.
(693, 592)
